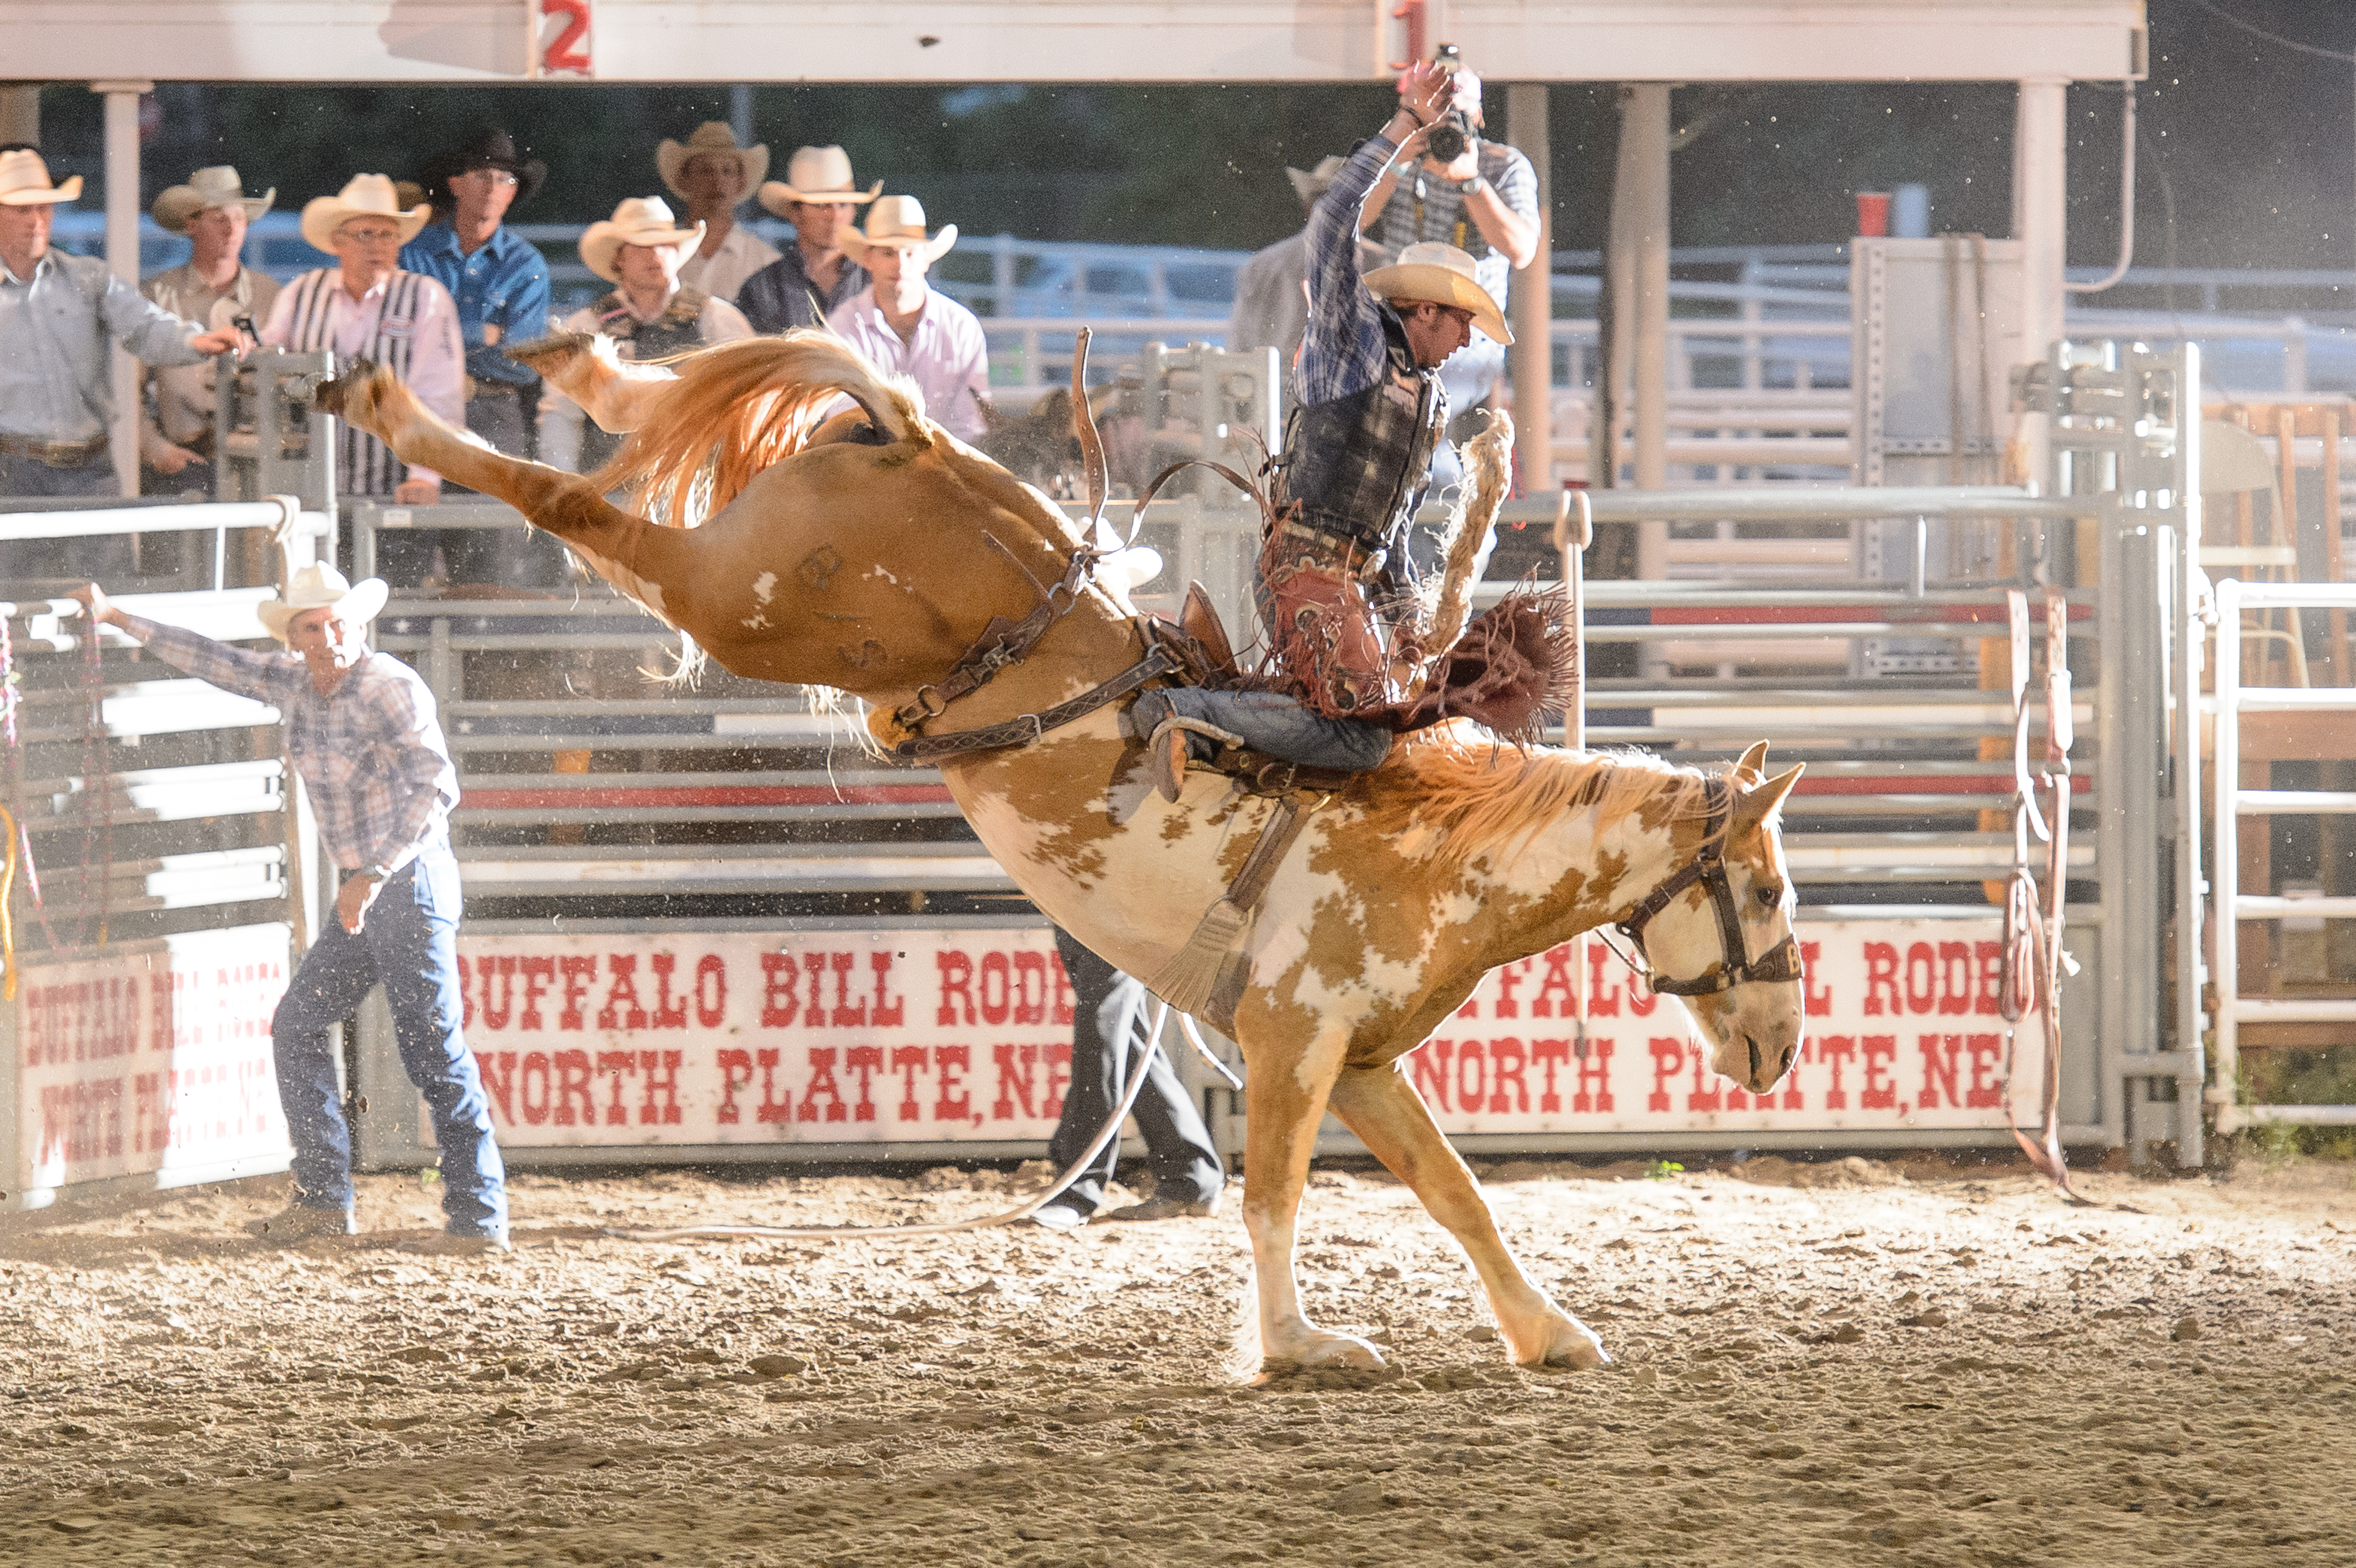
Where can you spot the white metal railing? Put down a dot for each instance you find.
(2232, 803)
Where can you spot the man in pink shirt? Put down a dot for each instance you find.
(366, 308)
(907, 326)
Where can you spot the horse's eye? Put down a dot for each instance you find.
(1769, 896)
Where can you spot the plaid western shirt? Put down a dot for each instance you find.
(371, 752)
(1344, 349)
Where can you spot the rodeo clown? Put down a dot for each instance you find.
(1358, 459)
(363, 733)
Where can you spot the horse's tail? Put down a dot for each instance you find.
(736, 409)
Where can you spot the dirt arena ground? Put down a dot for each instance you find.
(1843, 1363)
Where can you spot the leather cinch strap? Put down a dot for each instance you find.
(1781, 962)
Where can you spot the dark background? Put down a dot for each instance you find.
(2252, 145)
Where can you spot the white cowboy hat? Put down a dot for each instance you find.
(638, 221)
(1310, 184)
(322, 587)
(368, 196)
(816, 174)
(25, 182)
(898, 221)
(216, 187)
(1440, 274)
(711, 136)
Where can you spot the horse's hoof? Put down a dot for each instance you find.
(330, 397)
(1343, 1350)
(554, 349)
(1570, 1345)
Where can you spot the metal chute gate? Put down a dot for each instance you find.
(158, 821)
(703, 926)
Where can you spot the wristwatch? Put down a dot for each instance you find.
(1467, 186)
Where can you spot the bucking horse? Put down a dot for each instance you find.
(807, 523)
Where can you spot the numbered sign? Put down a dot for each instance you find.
(561, 39)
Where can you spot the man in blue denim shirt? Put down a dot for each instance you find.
(364, 735)
(501, 284)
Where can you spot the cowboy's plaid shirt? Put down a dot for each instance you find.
(1344, 349)
(372, 753)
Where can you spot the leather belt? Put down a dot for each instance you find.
(1348, 557)
(56, 454)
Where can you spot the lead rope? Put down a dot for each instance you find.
(1053, 1189)
(2032, 954)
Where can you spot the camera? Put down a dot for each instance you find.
(1453, 131)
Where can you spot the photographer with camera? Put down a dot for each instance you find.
(1479, 196)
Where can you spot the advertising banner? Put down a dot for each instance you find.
(154, 1061)
(946, 1035)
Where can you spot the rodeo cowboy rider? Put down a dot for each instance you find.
(1357, 458)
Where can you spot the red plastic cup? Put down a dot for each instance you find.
(1872, 214)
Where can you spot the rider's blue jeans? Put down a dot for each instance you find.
(1280, 727)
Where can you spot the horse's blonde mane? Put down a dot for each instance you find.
(736, 409)
(1477, 794)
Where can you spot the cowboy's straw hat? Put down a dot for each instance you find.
(322, 587)
(216, 187)
(898, 221)
(25, 182)
(1441, 275)
(1310, 184)
(816, 174)
(368, 196)
(638, 221)
(711, 136)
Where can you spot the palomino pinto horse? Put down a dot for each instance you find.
(868, 551)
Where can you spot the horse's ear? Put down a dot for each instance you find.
(1754, 805)
(1752, 767)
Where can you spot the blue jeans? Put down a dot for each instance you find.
(1186, 1168)
(1280, 727)
(409, 941)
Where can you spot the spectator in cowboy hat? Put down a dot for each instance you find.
(712, 174)
(57, 314)
(907, 327)
(366, 739)
(498, 279)
(819, 199)
(367, 306)
(650, 315)
(212, 286)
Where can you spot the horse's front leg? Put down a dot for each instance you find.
(1390, 1118)
(1285, 1098)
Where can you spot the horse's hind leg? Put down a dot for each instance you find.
(1390, 1118)
(563, 504)
(1285, 1104)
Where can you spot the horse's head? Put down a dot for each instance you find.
(1717, 932)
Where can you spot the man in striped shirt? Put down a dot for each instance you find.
(366, 308)
(365, 738)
